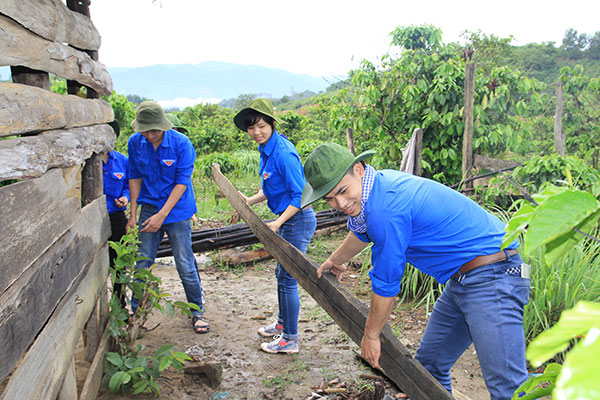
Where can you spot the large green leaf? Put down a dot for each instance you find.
(117, 380)
(560, 245)
(538, 386)
(580, 375)
(557, 216)
(573, 323)
(518, 223)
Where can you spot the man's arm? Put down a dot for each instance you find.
(154, 223)
(135, 185)
(351, 247)
(379, 312)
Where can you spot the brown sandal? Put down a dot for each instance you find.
(205, 328)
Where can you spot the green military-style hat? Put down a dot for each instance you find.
(324, 169)
(150, 116)
(176, 123)
(262, 105)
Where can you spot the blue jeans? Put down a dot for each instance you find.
(297, 230)
(180, 237)
(484, 307)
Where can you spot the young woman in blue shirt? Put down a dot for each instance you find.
(282, 181)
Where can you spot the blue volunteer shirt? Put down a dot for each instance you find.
(420, 221)
(115, 180)
(170, 164)
(282, 174)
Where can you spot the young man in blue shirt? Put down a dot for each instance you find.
(444, 234)
(161, 162)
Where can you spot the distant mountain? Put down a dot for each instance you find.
(215, 80)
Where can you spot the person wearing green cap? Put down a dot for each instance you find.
(161, 162)
(282, 181)
(444, 234)
(174, 119)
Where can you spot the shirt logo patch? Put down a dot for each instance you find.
(266, 175)
(119, 175)
(168, 163)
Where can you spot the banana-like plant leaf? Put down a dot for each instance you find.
(580, 376)
(573, 323)
(558, 246)
(557, 216)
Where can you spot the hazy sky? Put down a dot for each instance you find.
(320, 38)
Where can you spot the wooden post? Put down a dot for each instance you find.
(91, 180)
(467, 156)
(82, 7)
(349, 313)
(350, 139)
(31, 77)
(418, 151)
(559, 135)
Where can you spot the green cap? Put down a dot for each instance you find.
(324, 169)
(150, 116)
(176, 123)
(262, 105)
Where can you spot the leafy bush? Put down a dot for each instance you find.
(225, 160)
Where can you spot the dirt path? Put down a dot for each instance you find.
(232, 300)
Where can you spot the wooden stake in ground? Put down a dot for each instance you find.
(349, 313)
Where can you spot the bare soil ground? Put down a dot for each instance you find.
(234, 299)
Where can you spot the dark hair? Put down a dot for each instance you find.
(351, 169)
(253, 116)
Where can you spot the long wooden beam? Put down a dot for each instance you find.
(31, 156)
(349, 313)
(28, 109)
(19, 46)
(40, 373)
(30, 301)
(53, 21)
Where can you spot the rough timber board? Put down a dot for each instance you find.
(40, 374)
(52, 20)
(35, 213)
(30, 301)
(28, 109)
(349, 313)
(18, 46)
(31, 156)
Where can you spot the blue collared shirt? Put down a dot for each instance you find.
(281, 172)
(170, 164)
(420, 221)
(115, 180)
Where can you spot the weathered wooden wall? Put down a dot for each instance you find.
(55, 226)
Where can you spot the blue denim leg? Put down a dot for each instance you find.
(298, 230)
(180, 237)
(484, 306)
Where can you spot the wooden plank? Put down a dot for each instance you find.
(93, 380)
(35, 213)
(349, 313)
(28, 303)
(68, 389)
(27, 109)
(31, 156)
(21, 47)
(43, 368)
(53, 21)
(493, 164)
(467, 150)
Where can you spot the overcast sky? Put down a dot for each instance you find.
(320, 38)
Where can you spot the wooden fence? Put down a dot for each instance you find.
(53, 246)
